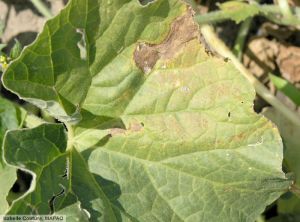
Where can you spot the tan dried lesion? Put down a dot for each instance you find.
(182, 30)
(133, 127)
(116, 131)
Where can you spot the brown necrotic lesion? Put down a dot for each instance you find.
(182, 30)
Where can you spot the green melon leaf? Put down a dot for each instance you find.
(62, 182)
(16, 50)
(11, 117)
(7, 180)
(158, 130)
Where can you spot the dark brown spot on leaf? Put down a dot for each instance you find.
(226, 59)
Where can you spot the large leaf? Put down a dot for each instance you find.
(167, 132)
(11, 117)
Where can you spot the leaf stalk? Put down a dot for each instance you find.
(70, 132)
(42, 8)
(272, 12)
(32, 121)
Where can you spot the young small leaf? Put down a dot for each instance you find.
(16, 50)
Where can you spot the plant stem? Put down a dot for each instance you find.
(42, 8)
(70, 136)
(33, 121)
(219, 46)
(238, 47)
(272, 12)
(285, 8)
(212, 17)
(239, 44)
(295, 189)
(276, 9)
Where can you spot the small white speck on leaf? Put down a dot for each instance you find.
(258, 142)
(185, 89)
(147, 69)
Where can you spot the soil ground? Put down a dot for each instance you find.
(22, 21)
